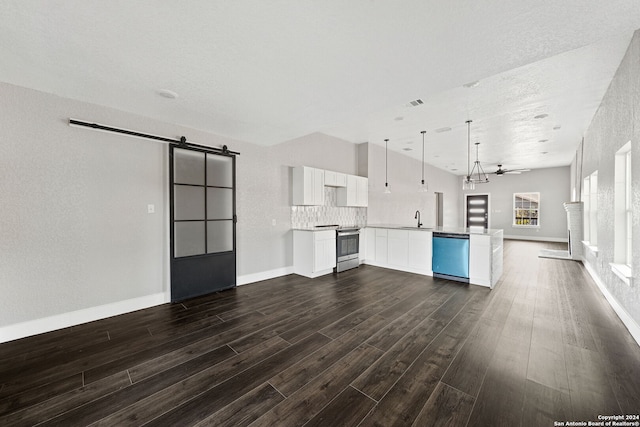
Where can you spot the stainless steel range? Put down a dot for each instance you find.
(347, 248)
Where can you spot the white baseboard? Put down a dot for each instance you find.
(628, 321)
(64, 320)
(263, 275)
(537, 239)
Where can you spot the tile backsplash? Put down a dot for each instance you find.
(330, 213)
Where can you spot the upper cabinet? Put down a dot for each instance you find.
(309, 183)
(335, 179)
(308, 186)
(356, 193)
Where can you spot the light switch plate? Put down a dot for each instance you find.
(151, 209)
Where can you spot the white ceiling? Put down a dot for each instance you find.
(270, 71)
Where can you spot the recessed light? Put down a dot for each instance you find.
(454, 169)
(471, 84)
(445, 129)
(557, 127)
(166, 93)
(541, 116)
(544, 152)
(543, 140)
(399, 118)
(408, 149)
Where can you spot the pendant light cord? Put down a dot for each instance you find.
(468, 148)
(423, 132)
(386, 162)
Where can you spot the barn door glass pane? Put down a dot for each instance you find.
(188, 167)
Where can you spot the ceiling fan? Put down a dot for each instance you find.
(501, 171)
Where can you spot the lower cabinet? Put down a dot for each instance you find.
(412, 251)
(398, 248)
(407, 250)
(419, 258)
(314, 252)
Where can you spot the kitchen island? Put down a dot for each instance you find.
(412, 249)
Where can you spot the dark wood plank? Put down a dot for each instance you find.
(384, 372)
(404, 401)
(39, 394)
(403, 322)
(466, 372)
(508, 369)
(246, 409)
(108, 404)
(292, 379)
(346, 410)
(590, 390)
(207, 403)
(183, 391)
(65, 402)
(544, 406)
(315, 395)
(446, 407)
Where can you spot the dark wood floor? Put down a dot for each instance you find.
(368, 347)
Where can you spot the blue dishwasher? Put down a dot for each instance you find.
(450, 259)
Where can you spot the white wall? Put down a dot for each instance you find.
(76, 241)
(616, 122)
(74, 227)
(553, 184)
(404, 174)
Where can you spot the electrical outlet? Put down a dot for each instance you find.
(273, 222)
(151, 209)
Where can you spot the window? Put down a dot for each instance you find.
(526, 209)
(622, 249)
(590, 201)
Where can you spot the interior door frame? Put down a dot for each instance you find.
(466, 197)
(200, 261)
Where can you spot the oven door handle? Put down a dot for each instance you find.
(354, 233)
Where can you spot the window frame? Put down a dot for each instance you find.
(590, 204)
(623, 215)
(514, 210)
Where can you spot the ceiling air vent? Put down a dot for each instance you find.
(416, 102)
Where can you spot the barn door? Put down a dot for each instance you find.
(202, 222)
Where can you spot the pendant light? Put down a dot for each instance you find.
(481, 178)
(468, 184)
(423, 185)
(386, 166)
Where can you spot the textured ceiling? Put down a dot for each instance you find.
(270, 71)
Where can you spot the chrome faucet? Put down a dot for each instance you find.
(418, 218)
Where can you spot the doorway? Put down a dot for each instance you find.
(477, 210)
(439, 209)
(202, 221)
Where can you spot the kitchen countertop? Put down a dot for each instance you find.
(324, 228)
(452, 230)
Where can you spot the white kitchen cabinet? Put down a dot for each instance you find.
(369, 245)
(480, 259)
(308, 186)
(314, 252)
(362, 191)
(335, 179)
(419, 259)
(398, 248)
(485, 258)
(381, 246)
(356, 193)
(411, 250)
